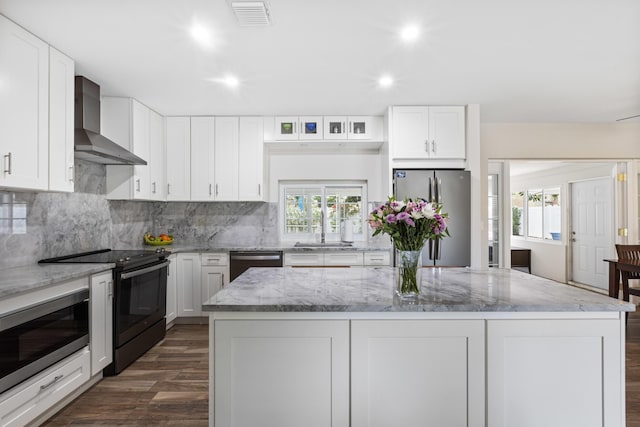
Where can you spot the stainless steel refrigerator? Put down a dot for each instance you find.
(452, 188)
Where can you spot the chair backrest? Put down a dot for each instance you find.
(629, 253)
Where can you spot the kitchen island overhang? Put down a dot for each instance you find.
(327, 346)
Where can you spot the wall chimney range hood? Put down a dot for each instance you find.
(89, 144)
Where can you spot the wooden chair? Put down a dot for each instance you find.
(628, 253)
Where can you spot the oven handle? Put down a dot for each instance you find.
(144, 270)
(256, 257)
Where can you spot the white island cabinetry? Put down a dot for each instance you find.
(476, 348)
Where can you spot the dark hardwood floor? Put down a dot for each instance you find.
(168, 385)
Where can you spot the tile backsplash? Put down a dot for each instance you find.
(41, 225)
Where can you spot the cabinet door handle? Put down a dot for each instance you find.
(433, 146)
(7, 168)
(71, 173)
(426, 146)
(350, 127)
(216, 189)
(259, 189)
(138, 185)
(55, 380)
(344, 128)
(154, 187)
(110, 289)
(168, 188)
(209, 189)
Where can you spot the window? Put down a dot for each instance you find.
(13, 214)
(305, 205)
(537, 214)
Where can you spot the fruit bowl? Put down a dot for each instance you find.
(161, 240)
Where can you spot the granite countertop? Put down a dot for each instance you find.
(370, 289)
(17, 280)
(177, 247)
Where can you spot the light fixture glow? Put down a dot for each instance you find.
(231, 81)
(410, 33)
(385, 81)
(201, 35)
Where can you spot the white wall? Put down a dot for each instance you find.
(613, 141)
(321, 167)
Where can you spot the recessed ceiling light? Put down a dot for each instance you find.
(231, 81)
(201, 35)
(385, 81)
(410, 33)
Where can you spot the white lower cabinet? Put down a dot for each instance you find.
(215, 273)
(382, 258)
(302, 259)
(188, 285)
(27, 401)
(337, 258)
(554, 373)
(101, 321)
(172, 301)
(417, 372)
(283, 373)
(199, 276)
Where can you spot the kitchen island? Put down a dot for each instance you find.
(336, 347)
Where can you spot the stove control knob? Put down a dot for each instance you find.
(120, 259)
(127, 258)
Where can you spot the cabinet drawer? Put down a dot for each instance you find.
(304, 259)
(343, 258)
(214, 259)
(377, 258)
(30, 399)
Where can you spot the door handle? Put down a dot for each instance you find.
(71, 173)
(154, 188)
(138, 185)
(430, 189)
(168, 188)
(209, 189)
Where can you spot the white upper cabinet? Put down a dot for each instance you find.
(24, 108)
(157, 157)
(348, 127)
(178, 158)
(251, 160)
(422, 132)
(203, 133)
(294, 128)
(61, 104)
(127, 122)
(226, 158)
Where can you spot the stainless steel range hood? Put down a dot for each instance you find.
(89, 144)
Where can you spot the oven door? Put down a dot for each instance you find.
(140, 300)
(39, 336)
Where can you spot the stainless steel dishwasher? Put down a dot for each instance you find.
(240, 261)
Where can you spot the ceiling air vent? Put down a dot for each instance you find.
(251, 13)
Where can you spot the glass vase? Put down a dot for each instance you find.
(408, 274)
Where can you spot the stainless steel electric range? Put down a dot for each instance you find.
(139, 305)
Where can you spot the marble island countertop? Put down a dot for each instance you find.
(370, 289)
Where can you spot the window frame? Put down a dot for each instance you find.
(525, 217)
(323, 186)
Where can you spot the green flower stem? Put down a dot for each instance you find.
(408, 272)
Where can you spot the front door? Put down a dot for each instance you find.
(591, 236)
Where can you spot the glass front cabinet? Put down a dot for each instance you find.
(298, 128)
(347, 127)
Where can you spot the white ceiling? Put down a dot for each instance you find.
(521, 60)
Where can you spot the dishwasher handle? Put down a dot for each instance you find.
(256, 257)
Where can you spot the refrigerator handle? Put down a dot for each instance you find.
(430, 249)
(438, 190)
(436, 249)
(430, 189)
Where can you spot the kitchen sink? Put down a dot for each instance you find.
(323, 245)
